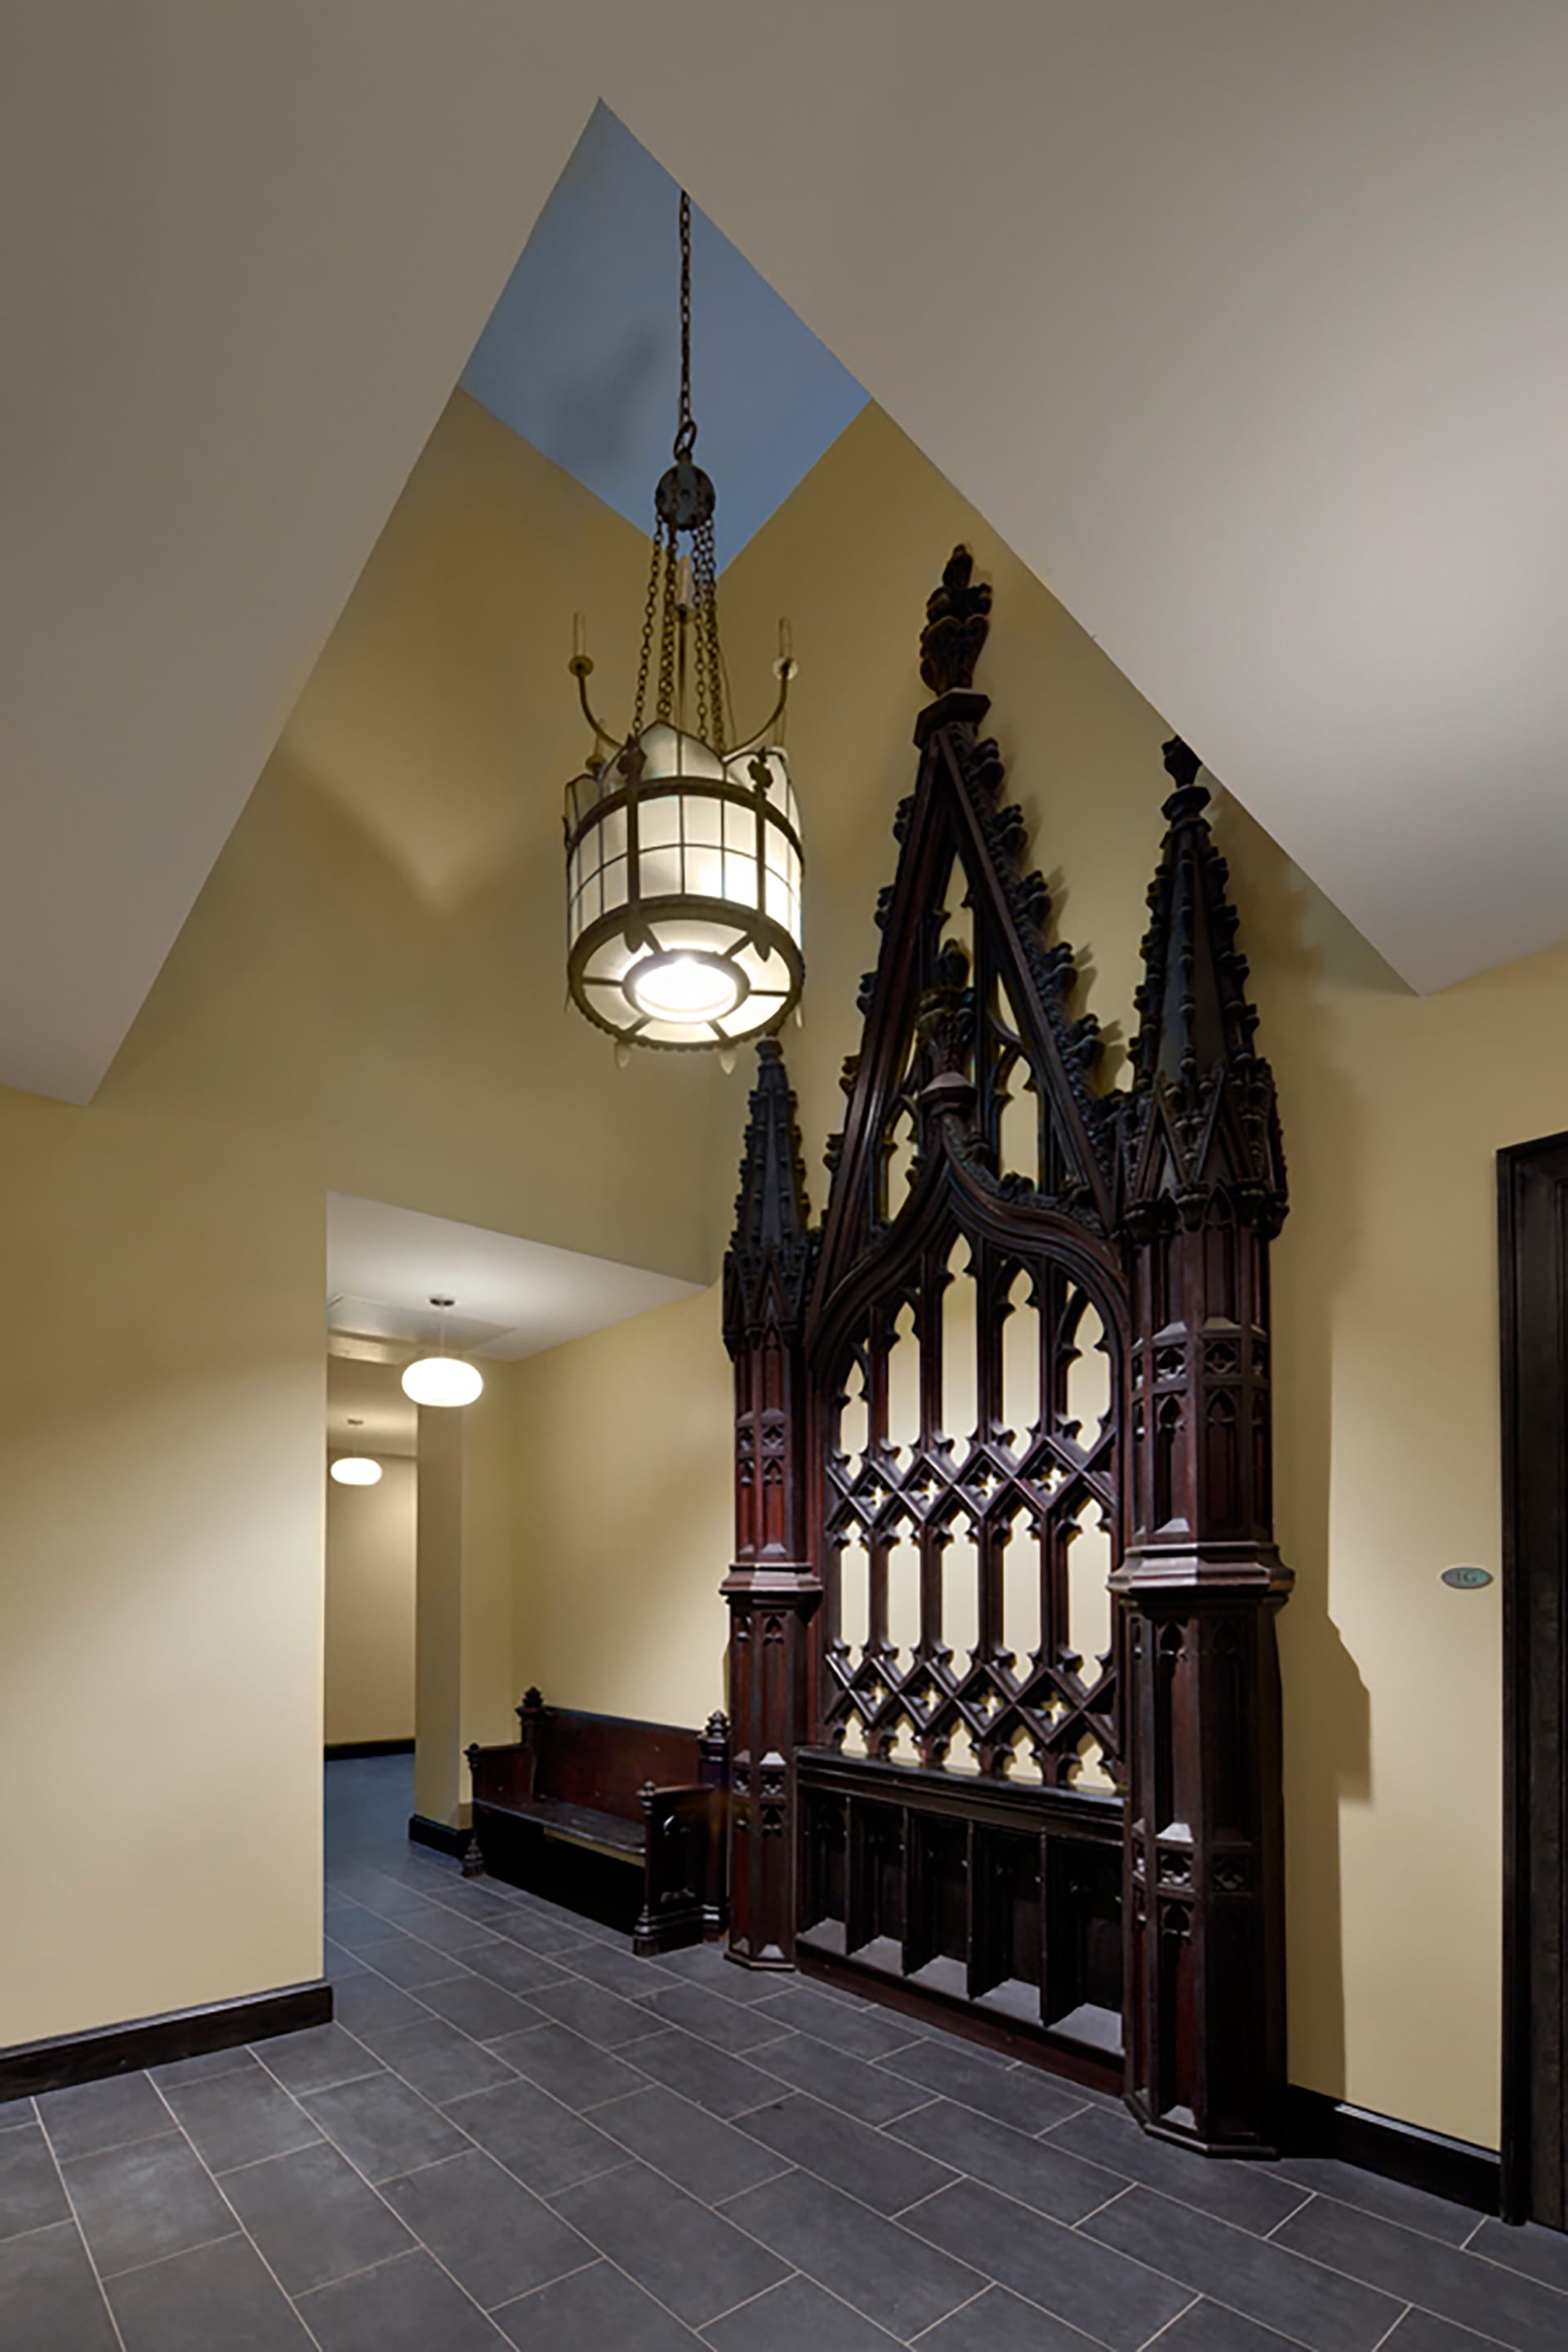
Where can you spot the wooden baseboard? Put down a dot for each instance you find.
(1466, 2175)
(439, 1834)
(347, 1750)
(68, 2058)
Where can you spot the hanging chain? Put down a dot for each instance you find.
(686, 431)
(646, 655)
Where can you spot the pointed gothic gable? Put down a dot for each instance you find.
(1202, 1117)
(969, 1046)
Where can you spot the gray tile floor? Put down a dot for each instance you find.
(519, 2134)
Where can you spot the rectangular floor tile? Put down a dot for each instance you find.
(902, 2283)
(617, 1968)
(138, 2203)
(1413, 2208)
(497, 2241)
(201, 2070)
(30, 2192)
(1540, 2254)
(368, 2007)
(537, 1933)
(863, 2090)
(706, 1964)
(49, 2299)
(577, 2073)
(1440, 2279)
(709, 2159)
(515, 1968)
(313, 2217)
(1067, 2274)
(599, 2016)
(240, 2118)
(735, 2025)
(220, 2295)
(880, 2172)
(790, 2317)
(1036, 2171)
(317, 2059)
(690, 2259)
(408, 2306)
(352, 1927)
(1252, 2196)
(860, 2032)
(441, 2064)
(999, 2321)
(1420, 2332)
(593, 2309)
(726, 2086)
(1266, 2282)
(383, 2126)
(110, 2114)
(1207, 2327)
(546, 2146)
(1024, 2096)
(405, 1961)
(477, 2007)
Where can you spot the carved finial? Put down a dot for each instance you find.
(768, 1263)
(1182, 762)
(956, 627)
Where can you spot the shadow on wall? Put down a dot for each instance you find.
(1328, 1708)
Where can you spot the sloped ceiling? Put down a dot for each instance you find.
(1246, 327)
(582, 354)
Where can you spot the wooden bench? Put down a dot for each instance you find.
(621, 1820)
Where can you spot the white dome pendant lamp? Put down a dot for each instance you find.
(355, 1469)
(442, 1379)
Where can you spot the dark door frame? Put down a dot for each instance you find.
(1532, 1199)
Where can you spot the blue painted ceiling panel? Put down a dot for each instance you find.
(582, 354)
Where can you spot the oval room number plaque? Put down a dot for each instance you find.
(1467, 1580)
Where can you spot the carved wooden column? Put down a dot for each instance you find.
(1204, 1195)
(772, 1590)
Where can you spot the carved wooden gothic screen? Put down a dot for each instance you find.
(1003, 1675)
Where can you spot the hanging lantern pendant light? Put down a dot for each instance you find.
(683, 855)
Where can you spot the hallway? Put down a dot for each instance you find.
(516, 2133)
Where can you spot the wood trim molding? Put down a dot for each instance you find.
(441, 1836)
(65, 2059)
(348, 1751)
(1532, 1247)
(1316, 2124)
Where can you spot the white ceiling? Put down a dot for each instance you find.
(512, 1298)
(1246, 326)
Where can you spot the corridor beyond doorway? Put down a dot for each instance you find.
(517, 2133)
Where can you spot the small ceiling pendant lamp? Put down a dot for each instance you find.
(442, 1379)
(683, 849)
(356, 1469)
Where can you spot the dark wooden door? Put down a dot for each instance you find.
(1533, 1203)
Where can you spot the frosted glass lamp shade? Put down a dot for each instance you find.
(442, 1380)
(683, 888)
(356, 1470)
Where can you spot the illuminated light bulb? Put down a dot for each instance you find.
(356, 1470)
(683, 988)
(442, 1380)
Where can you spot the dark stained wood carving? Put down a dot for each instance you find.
(1004, 1549)
(622, 1821)
(772, 1589)
(1201, 1579)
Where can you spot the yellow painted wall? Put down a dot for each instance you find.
(367, 997)
(623, 1517)
(1384, 1314)
(466, 1501)
(369, 1606)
